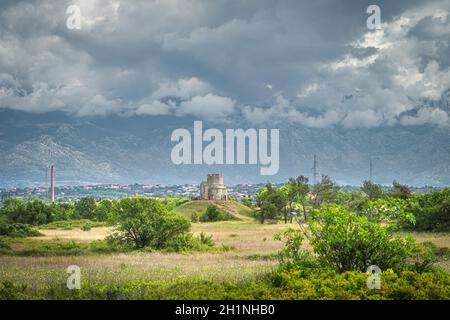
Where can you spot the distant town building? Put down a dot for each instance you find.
(213, 188)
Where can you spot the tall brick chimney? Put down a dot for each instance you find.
(52, 191)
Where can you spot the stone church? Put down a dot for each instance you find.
(213, 188)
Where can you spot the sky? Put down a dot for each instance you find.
(311, 63)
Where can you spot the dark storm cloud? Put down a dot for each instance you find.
(288, 60)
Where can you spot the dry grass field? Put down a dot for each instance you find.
(253, 256)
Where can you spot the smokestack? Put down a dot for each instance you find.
(52, 177)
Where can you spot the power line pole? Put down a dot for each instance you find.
(370, 170)
(52, 191)
(315, 169)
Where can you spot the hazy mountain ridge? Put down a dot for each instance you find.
(129, 150)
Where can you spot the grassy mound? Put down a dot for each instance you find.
(231, 207)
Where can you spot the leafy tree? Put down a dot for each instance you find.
(432, 212)
(271, 201)
(62, 211)
(85, 208)
(145, 222)
(392, 212)
(354, 201)
(247, 202)
(400, 191)
(373, 190)
(34, 212)
(347, 241)
(324, 192)
(298, 193)
(103, 209)
(213, 213)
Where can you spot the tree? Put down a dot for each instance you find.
(271, 201)
(324, 192)
(298, 193)
(247, 202)
(432, 212)
(85, 208)
(213, 213)
(34, 212)
(103, 210)
(145, 222)
(347, 241)
(353, 200)
(400, 191)
(373, 190)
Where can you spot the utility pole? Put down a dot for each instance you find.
(370, 170)
(52, 191)
(315, 169)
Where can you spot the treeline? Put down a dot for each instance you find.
(139, 223)
(37, 212)
(297, 199)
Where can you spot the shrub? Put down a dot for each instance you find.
(103, 210)
(85, 208)
(86, 227)
(372, 190)
(212, 214)
(292, 253)
(206, 239)
(194, 217)
(10, 291)
(145, 222)
(432, 212)
(346, 241)
(34, 212)
(322, 283)
(247, 202)
(18, 230)
(188, 242)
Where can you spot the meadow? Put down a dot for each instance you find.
(155, 275)
(283, 244)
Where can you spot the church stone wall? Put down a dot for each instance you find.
(213, 188)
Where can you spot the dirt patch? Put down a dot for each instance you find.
(76, 234)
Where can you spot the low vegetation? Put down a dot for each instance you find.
(213, 214)
(318, 245)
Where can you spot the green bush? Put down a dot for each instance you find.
(187, 242)
(292, 253)
(206, 239)
(286, 284)
(18, 230)
(85, 208)
(432, 212)
(212, 214)
(18, 211)
(346, 241)
(321, 283)
(195, 217)
(145, 222)
(10, 291)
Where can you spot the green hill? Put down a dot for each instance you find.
(234, 208)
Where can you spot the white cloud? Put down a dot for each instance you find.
(156, 108)
(209, 107)
(427, 115)
(183, 88)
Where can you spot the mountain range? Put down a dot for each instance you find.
(131, 149)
